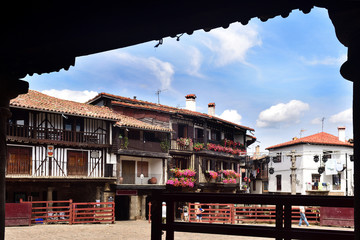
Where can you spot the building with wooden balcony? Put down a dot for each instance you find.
(324, 165)
(59, 149)
(197, 141)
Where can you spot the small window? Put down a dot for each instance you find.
(265, 186)
(182, 131)
(277, 158)
(336, 181)
(278, 182)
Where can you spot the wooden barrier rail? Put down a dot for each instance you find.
(285, 205)
(71, 213)
(93, 212)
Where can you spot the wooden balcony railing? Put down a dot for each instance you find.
(53, 134)
(176, 146)
(144, 145)
(283, 213)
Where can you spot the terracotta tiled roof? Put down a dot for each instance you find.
(42, 102)
(135, 103)
(322, 138)
(190, 96)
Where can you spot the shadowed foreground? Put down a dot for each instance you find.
(119, 230)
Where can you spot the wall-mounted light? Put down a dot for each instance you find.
(316, 158)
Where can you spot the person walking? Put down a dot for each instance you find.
(303, 216)
(198, 213)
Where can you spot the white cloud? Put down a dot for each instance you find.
(195, 62)
(163, 71)
(231, 115)
(342, 117)
(316, 121)
(232, 44)
(77, 96)
(326, 61)
(282, 113)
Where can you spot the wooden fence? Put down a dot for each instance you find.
(234, 214)
(71, 213)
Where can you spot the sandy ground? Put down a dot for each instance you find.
(120, 230)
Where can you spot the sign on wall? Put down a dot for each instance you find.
(50, 150)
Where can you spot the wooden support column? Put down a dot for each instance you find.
(11, 87)
(351, 71)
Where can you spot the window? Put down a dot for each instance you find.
(199, 135)
(315, 178)
(18, 160)
(74, 124)
(142, 168)
(265, 186)
(336, 181)
(277, 158)
(181, 163)
(182, 131)
(278, 182)
(134, 134)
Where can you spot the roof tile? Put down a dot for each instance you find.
(322, 138)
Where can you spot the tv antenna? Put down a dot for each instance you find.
(322, 124)
(158, 94)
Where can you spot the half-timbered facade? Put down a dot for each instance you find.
(197, 139)
(59, 149)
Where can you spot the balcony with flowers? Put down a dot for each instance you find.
(225, 147)
(182, 144)
(181, 179)
(222, 179)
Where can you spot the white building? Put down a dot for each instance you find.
(332, 174)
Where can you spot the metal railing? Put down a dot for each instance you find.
(283, 215)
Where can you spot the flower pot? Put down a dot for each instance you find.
(152, 180)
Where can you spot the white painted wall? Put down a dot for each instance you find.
(306, 167)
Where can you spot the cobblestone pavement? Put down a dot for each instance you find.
(120, 230)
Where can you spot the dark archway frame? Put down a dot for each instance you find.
(46, 36)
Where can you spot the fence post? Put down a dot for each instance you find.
(232, 213)
(156, 223)
(279, 220)
(113, 212)
(149, 212)
(71, 212)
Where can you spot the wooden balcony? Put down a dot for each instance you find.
(177, 147)
(54, 136)
(144, 146)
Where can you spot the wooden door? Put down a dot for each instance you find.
(19, 160)
(128, 172)
(77, 163)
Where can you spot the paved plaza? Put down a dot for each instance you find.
(120, 230)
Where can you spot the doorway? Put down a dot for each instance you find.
(122, 208)
(128, 172)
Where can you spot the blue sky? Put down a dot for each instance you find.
(278, 77)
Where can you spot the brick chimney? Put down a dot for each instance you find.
(341, 134)
(190, 102)
(211, 109)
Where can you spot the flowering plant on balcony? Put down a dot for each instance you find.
(199, 146)
(246, 179)
(230, 173)
(219, 148)
(212, 174)
(181, 182)
(184, 142)
(232, 144)
(183, 173)
(229, 180)
(229, 176)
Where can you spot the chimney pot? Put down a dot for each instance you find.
(211, 109)
(190, 102)
(341, 134)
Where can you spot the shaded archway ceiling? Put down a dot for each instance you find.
(46, 36)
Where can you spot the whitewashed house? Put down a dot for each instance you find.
(323, 166)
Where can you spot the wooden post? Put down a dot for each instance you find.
(11, 87)
(156, 222)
